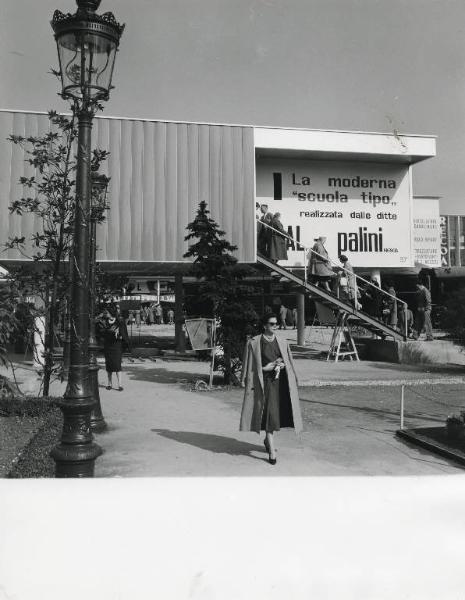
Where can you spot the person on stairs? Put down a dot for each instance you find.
(319, 264)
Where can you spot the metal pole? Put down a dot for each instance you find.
(300, 319)
(180, 339)
(212, 364)
(402, 407)
(405, 321)
(67, 341)
(97, 421)
(76, 453)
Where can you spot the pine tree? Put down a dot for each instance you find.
(222, 290)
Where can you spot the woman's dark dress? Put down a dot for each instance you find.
(114, 337)
(277, 412)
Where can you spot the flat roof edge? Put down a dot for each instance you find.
(255, 127)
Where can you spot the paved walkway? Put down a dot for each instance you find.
(159, 427)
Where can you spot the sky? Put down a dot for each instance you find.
(362, 65)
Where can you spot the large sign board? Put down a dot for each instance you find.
(363, 209)
(427, 232)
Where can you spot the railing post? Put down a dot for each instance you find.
(405, 321)
(402, 407)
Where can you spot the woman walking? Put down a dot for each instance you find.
(115, 336)
(271, 399)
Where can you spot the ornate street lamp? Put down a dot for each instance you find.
(99, 184)
(87, 45)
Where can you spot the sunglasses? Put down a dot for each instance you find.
(273, 323)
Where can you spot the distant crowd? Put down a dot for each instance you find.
(152, 314)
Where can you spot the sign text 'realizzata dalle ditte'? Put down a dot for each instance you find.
(363, 209)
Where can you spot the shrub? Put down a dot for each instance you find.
(453, 315)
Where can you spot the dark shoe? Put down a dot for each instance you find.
(120, 389)
(272, 461)
(108, 387)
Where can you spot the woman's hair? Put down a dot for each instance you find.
(266, 317)
(276, 215)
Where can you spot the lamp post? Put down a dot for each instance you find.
(87, 45)
(99, 183)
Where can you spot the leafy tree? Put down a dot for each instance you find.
(108, 285)
(222, 291)
(50, 198)
(8, 323)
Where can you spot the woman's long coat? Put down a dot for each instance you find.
(252, 379)
(278, 250)
(319, 261)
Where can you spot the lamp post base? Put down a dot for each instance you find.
(75, 461)
(76, 453)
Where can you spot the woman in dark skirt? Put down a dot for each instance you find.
(115, 338)
(271, 399)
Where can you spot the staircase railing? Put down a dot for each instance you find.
(308, 252)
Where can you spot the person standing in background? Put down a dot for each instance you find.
(282, 317)
(294, 317)
(423, 314)
(391, 305)
(159, 314)
(115, 339)
(150, 315)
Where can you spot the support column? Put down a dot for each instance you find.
(179, 336)
(300, 319)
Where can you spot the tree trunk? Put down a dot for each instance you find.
(49, 339)
(227, 362)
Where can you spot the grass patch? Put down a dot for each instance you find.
(33, 459)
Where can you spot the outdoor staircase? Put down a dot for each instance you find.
(355, 317)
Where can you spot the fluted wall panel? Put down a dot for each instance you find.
(159, 173)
